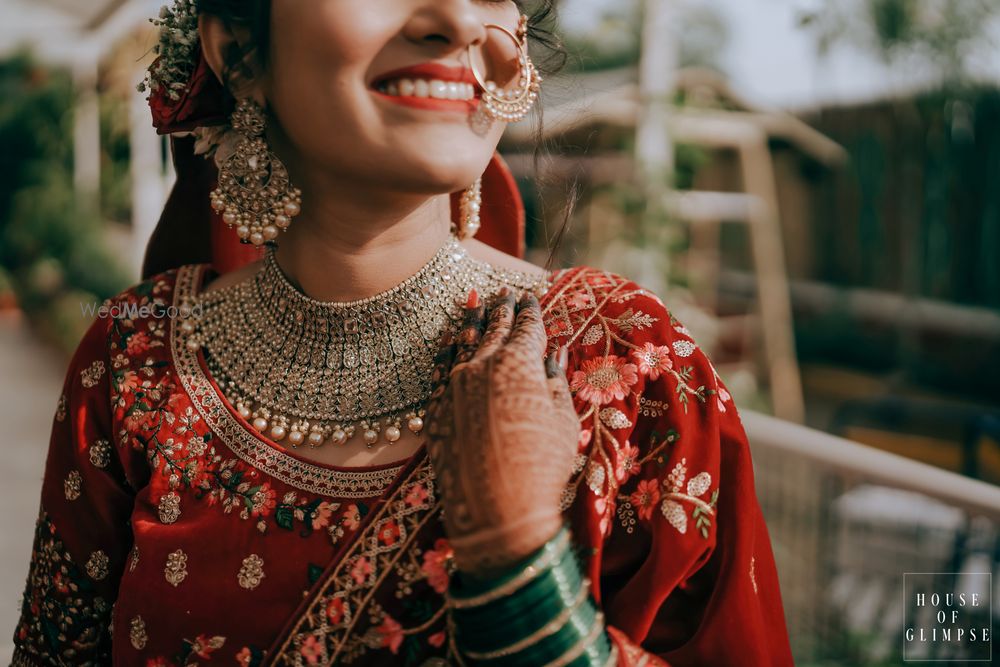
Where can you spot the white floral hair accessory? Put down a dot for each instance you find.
(177, 49)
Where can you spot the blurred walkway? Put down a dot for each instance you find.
(30, 381)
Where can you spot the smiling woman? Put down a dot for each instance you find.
(381, 441)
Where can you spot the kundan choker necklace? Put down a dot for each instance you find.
(311, 372)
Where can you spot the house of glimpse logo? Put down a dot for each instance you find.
(131, 311)
(947, 617)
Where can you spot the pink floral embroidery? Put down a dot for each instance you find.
(137, 344)
(129, 381)
(585, 435)
(204, 645)
(312, 649)
(362, 568)
(159, 661)
(645, 497)
(417, 495)
(321, 516)
(723, 397)
(388, 534)
(435, 565)
(392, 634)
(653, 360)
(437, 639)
(264, 501)
(244, 657)
(579, 300)
(627, 462)
(604, 379)
(352, 517)
(335, 611)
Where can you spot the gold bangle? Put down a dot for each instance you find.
(551, 554)
(613, 657)
(577, 649)
(546, 630)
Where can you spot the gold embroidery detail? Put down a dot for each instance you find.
(753, 579)
(362, 569)
(72, 485)
(97, 566)
(91, 375)
(615, 419)
(135, 558)
(651, 408)
(100, 453)
(137, 633)
(61, 408)
(251, 572)
(170, 507)
(176, 569)
(248, 446)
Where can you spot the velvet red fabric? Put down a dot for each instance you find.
(172, 533)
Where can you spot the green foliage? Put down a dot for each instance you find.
(51, 246)
(34, 125)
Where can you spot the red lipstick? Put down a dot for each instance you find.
(429, 72)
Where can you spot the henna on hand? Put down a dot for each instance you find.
(502, 435)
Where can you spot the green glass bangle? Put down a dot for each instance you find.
(545, 631)
(465, 592)
(583, 627)
(511, 619)
(561, 572)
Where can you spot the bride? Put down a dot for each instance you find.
(369, 438)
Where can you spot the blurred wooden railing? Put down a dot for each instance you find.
(846, 522)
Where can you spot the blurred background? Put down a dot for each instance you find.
(813, 187)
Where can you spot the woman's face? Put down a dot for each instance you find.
(355, 88)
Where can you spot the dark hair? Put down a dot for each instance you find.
(170, 247)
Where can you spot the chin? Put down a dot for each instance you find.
(433, 175)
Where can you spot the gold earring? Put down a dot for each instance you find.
(469, 205)
(510, 106)
(254, 194)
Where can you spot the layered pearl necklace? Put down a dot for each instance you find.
(311, 372)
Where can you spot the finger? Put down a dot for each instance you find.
(529, 331)
(562, 398)
(471, 331)
(500, 321)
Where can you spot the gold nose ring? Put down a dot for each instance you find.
(510, 106)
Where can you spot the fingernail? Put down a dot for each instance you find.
(473, 301)
(552, 368)
(563, 357)
(504, 291)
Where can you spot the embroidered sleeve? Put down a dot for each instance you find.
(664, 490)
(82, 534)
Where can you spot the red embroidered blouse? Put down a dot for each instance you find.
(171, 533)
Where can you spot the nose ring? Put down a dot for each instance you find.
(510, 105)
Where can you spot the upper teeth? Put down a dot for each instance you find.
(435, 88)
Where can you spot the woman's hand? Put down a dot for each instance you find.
(502, 435)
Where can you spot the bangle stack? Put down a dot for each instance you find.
(541, 613)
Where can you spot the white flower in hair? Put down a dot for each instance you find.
(177, 49)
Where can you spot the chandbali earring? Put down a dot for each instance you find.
(510, 105)
(254, 194)
(468, 206)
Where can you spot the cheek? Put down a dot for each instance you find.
(319, 52)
